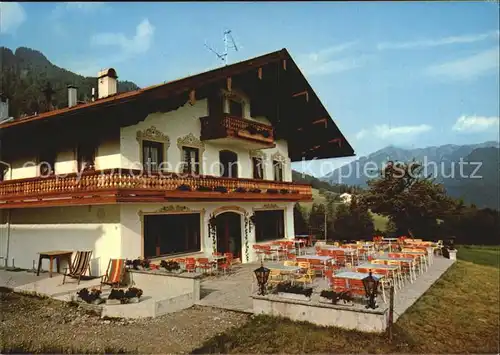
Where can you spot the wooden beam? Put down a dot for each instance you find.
(336, 140)
(306, 93)
(192, 97)
(229, 83)
(284, 64)
(259, 73)
(322, 120)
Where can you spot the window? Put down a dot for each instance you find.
(47, 162)
(191, 160)
(278, 170)
(171, 234)
(235, 108)
(269, 225)
(258, 168)
(229, 163)
(3, 171)
(86, 155)
(152, 155)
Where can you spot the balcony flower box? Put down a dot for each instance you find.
(272, 191)
(241, 190)
(222, 189)
(184, 187)
(204, 188)
(284, 191)
(255, 191)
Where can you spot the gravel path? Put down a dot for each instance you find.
(36, 325)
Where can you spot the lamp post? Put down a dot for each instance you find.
(262, 275)
(371, 286)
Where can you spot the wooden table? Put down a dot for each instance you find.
(51, 255)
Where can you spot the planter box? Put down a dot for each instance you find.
(113, 302)
(453, 254)
(294, 296)
(339, 302)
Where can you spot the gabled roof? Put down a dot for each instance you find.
(323, 142)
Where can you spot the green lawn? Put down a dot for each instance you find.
(477, 254)
(380, 222)
(459, 314)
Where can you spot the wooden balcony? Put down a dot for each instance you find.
(111, 187)
(236, 130)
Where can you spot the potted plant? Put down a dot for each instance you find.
(132, 295)
(296, 292)
(272, 191)
(449, 250)
(255, 191)
(145, 264)
(222, 189)
(252, 130)
(204, 188)
(184, 187)
(265, 133)
(329, 296)
(240, 189)
(94, 296)
(170, 266)
(115, 297)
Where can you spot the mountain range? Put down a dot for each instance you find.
(26, 72)
(443, 162)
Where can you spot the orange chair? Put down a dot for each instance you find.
(339, 284)
(190, 264)
(317, 265)
(204, 264)
(356, 287)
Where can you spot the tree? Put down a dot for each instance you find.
(353, 221)
(300, 218)
(410, 200)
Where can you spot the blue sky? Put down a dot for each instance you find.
(407, 74)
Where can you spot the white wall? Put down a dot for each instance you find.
(94, 228)
(131, 223)
(108, 156)
(185, 120)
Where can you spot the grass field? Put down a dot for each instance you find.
(459, 314)
(482, 255)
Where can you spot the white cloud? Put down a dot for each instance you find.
(425, 43)
(84, 6)
(387, 132)
(139, 43)
(468, 68)
(12, 15)
(472, 124)
(326, 61)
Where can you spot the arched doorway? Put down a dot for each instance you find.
(229, 233)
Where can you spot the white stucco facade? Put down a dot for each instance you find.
(116, 231)
(113, 231)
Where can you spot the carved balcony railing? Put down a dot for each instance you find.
(231, 127)
(134, 186)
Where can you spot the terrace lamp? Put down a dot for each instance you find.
(262, 274)
(371, 286)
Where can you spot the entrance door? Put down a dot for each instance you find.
(229, 233)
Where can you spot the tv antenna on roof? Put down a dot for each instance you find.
(229, 43)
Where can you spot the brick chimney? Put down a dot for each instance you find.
(107, 83)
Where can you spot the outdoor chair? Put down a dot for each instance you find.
(80, 265)
(307, 277)
(339, 284)
(275, 277)
(114, 273)
(357, 288)
(385, 281)
(204, 264)
(317, 265)
(290, 263)
(190, 265)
